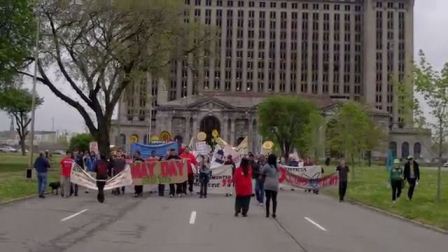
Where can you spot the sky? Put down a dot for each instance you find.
(430, 17)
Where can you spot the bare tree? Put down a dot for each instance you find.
(100, 48)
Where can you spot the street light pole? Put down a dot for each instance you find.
(33, 101)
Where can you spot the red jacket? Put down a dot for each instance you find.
(191, 160)
(243, 184)
(66, 166)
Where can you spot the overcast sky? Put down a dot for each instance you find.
(430, 17)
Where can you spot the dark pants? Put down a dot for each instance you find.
(396, 189)
(180, 188)
(172, 189)
(204, 186)
(190, 183)
(161, 190)
(138, 190)
(342, 190)
(73, 189)
(411, 187)
(100, 185)
(242, 204)
(271, 195)
(259, 190)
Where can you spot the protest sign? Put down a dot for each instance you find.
(160, 150)
(221, 180)
(307, 177)
(80, 177)
(203, 148)
(159, 172)
(93, 147)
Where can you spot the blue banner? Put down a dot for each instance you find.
(160, 150)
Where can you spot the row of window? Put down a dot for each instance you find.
(283, 5)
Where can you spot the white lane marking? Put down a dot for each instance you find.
(73, 215)
(315, 224)
(193, 217)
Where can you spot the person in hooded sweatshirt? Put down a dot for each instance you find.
(205, 174)
(101, 169)
(243, 187)
(396, 180)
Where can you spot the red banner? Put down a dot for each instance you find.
(159, 172)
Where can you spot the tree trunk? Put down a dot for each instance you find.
(103, 139)
(22, 145)
(440, 160)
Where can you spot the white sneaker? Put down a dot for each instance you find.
(261, 204)
(393, 202)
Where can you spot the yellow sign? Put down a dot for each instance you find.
(155, 138)
(201, 136)
(133, 139)
(165, 136)
(268, 145)
(215, 133)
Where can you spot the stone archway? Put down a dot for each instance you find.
(208, 124)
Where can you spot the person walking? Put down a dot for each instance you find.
(66, 170)
(41, 165)
(259, 180)
(118, 164)
(173, 155)
(270, 175)
(343, 171)
(101, 169)
(191, 161)
(412, 175)
(229, 161)
(138, 188)
(204, 175)
(243, 187)
(396, 180)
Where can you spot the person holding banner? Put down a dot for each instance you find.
(173, 155)
(243, 187)
(204, 175)
(191, 161)
(101, 169)
(138, 188)
(66, 169)
(271, 176)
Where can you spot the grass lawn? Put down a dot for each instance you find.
(371, 187)
(13, 184)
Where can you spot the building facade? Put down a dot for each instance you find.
(331, 50)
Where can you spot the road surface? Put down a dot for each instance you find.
(305, 222)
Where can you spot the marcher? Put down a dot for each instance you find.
(343, 171)
(396, 180)
(229, 161)
(118, 164)
(138, 188)
(270, 175)
(412, 175)
(191, 161)
(41, 165)
(66, 170)
(204, 175)
(243, 188)
(255, 169)
(79, 160)
(259, 187)
(173, 155)
(101, 169)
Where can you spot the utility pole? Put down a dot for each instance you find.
(33, 102)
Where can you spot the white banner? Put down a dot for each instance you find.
(82, 178)
(221, 181)
(203, 148)
(313, 173)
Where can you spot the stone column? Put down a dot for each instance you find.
(232, 131)
(250, 136)
(195, 128)
(187, 129)
(224, 131)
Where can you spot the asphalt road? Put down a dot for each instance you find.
(305, 222)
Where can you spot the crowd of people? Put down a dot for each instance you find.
(256, 176)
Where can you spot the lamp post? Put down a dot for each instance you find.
(33, 101)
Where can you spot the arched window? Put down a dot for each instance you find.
(393, 148)
(146, 139)
(417, 150)
(405, 150)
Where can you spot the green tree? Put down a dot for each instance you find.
(17, 29)
(286, 120)
(17, 103)
(102, 48)
(80, 142)
(352, 133)
(434, 87)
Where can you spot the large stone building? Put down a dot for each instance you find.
(327, 50)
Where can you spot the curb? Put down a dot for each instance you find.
(384, 212)
(17, 200)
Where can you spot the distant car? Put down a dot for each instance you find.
(445, 164)
(59, 152)
(8, 149)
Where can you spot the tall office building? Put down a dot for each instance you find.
(322, 50)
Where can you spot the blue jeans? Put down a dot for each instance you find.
(41, 182)
(259, 190)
